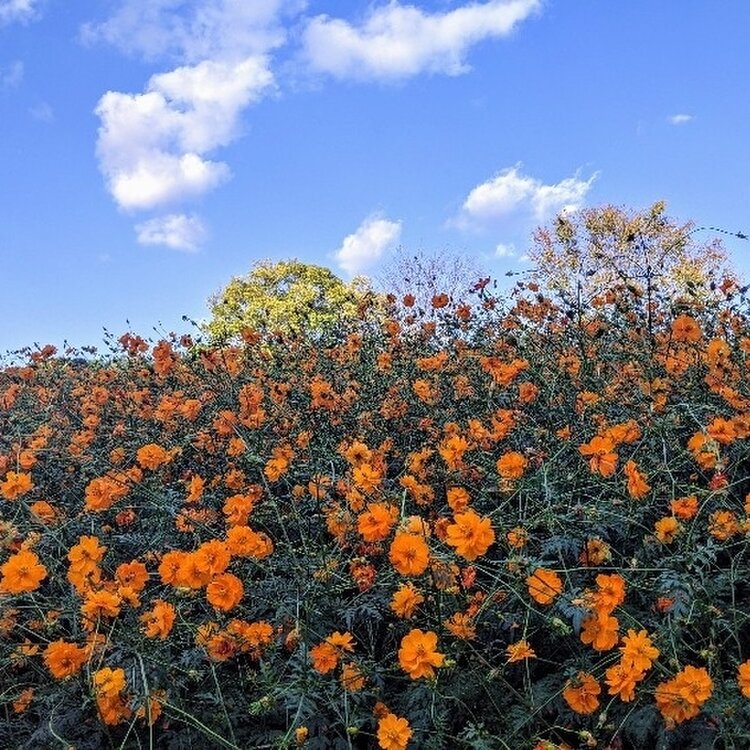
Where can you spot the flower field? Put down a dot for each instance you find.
(500, 523)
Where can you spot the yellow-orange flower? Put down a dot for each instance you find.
(393, 732)
(519, 651)
(409, 554)
(582, 693)
(22, 572)
(544, 585)
(638, 651)
(418, 656)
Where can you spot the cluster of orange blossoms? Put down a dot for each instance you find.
(179, 520)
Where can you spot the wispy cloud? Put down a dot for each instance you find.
(680, 119)
(511, 194)
(176, 231)
(42, 112)
(18, 10)
(361, 249)
(396, 41)
(194, 30)
(152, 147)
(11, 75)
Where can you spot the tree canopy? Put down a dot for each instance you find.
(595, 250)
(288, 296)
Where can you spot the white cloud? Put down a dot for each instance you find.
(511, 193)
(178, 231)
(362, 248)
(11, 75)
(680, 119)
(152, 146)
(17, 10)
(396, 41)
(505, 250)
(194, 30)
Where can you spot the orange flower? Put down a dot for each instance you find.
(471, 535)
(637, 484)
(87, 554)
(393, 732)
(666, 529)
(324, 657)
(544, 585)
(170, 565)
(622, 680)
(723, 525)
(367, 478)
(100, 604)
(601, 454)
(685, 328)
(225, 591)
(237, 509)
(418, 656)
(405, 600)
(684, 508)
(159, 620)
(109, 683)
(595, 552)
(15, 485)
(743, 678)
(409, 554)
(351, 678)
(638, 651)
(64, 659)
(512, 465)
(458, 499)
(152, 456)
(600, 631)
(519, 651)
(461, 626)
(132, 575)
(22, 572)
(102, 492)
(682, 697)
(376, 522)
(517, 537)
(610, 593)
(213, 557)
(581, 693)
(242, 541)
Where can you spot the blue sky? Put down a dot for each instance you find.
(152, 149)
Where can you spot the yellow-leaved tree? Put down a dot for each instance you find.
(287, 296)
